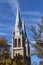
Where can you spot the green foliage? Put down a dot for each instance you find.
(14, 63)
(8, 61)
(19, 60)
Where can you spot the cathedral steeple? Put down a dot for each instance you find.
(18, 24)
(19, 39)
(18, 19)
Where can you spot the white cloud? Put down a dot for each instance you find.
(5, 25)
(32, 16)
(34, 13)
(1, 24)
(2, 33)
(6, 17)
(2, 1)
(31, 19)
(13, 4)
(6, 28)
(33, 42)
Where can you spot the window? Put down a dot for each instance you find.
(15, 42)
(19, 43)
(18, 54)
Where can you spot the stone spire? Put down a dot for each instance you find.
(23, 25)
(18, 19)
(24, 29)
(18, 24)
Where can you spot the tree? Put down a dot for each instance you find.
(4, 48)
(38, 38)
(41, 63)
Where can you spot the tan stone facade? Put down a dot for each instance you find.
(18, 50)
(20, 44)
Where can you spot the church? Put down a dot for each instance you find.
(20, 43)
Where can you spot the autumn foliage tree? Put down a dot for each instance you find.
(4, 48)
(38, 38)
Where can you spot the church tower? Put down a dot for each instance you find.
(20, 44)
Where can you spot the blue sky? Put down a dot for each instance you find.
(31, 12)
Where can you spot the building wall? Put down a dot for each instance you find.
(18, 51)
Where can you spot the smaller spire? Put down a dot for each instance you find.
(23, 25)
(24, 29)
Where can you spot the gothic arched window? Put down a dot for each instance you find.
(15, 42)
(19, 42)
